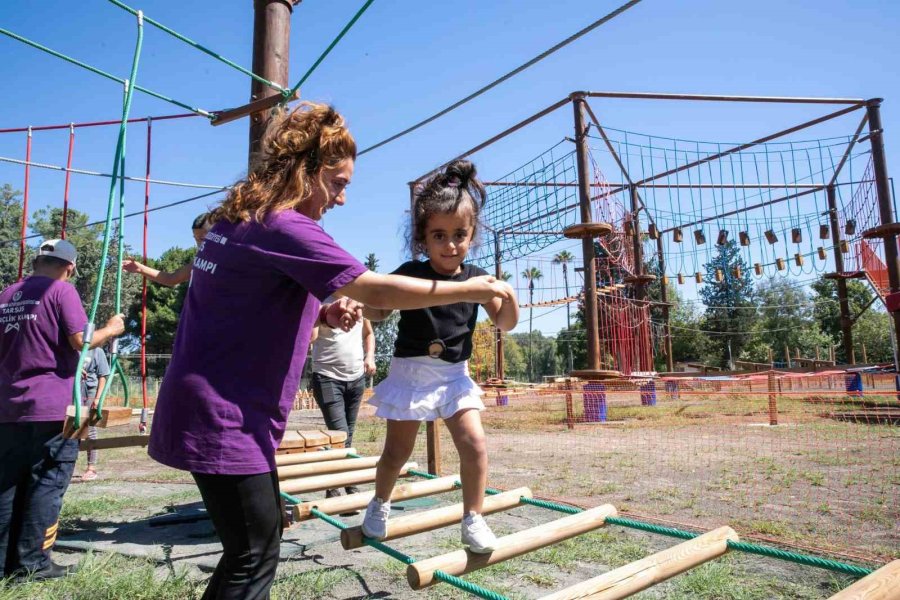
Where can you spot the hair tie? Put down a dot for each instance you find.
(453, 181)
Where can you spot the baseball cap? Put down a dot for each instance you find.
(59, 249)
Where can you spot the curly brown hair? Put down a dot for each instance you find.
(297, 146)
(457, 187)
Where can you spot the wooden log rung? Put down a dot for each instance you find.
(434, 519)
(124, 441)
(642, 574)
(883, 584)
(317, 483)
(302, 458)
(326, 466)
(405, 491)
(421, 574)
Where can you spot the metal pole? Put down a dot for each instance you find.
(271, 58)
(587, 244)
(722, 98)
(843, 301)
(664, 296)
(885, 206)
(498, 335)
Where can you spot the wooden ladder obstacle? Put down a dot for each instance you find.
(327, 469)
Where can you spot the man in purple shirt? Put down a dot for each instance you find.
(42, 325)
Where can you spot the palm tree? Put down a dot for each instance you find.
(531, 274)
(505, 276)
(371, 262)
(564, 258)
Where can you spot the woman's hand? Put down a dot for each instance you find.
(132, 266)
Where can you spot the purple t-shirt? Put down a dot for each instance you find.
(241, 342)
(37, 363)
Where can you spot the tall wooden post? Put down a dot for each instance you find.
(587, 244)
(638, 248)
(271, 59)
(885, 206)
(664, 296)
(843, 301)
(498, 335)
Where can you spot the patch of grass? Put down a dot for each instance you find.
(309, 584)
(601, 547)
(109, 576)
(541, 579)
(80, 509)
(814, 478)
(772, 528)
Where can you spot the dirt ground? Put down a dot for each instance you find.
(769, 481)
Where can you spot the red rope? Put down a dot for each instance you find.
(143, 423)
(25, 205)
(96, 123)
(65, 215)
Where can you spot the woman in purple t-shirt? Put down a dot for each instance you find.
(254, 297)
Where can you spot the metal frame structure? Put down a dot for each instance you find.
(584, 117)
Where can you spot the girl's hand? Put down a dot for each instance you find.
(131, 266)
(486, 287)
(343, 314)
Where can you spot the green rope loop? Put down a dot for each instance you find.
(200, 47)
(117, 172)
(802, 559)
(468, 586)
(651, 528)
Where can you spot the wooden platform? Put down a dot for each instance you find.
(882, 231)
(308, 440)
(587, 231)
(595, 374)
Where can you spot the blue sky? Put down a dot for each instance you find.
(405, 60)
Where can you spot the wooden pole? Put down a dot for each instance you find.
(498, 335)
(773, 400)
(301, 458)
(843, 301)
(787, 357)
(587, 244)
(421, 522)
(405, 491)
(326, 466)
(433, 446)
(334, 480)
(271, 59)
(883, 584)
(420, 574)
(664, 296)
(642, 574)
(864, 355)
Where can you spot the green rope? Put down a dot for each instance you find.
(803, 559)
(200, 47)
(334, 43)
(117, 166)
(457, 582)
(102, 73)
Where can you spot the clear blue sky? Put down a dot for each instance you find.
(405, 60)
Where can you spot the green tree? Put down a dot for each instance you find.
(164, 304)
(371, 262)
(385, 336)
(563, 258)
(873, 330)
(727, 317)
(10, 225)
(828, 313)
(514, 365)
(785, 319)
(531, 275)
(505, 276)
(88, 240)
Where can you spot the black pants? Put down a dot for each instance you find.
(36, 466)
(246, 513)
(339, 402)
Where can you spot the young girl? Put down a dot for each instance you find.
(429, 376)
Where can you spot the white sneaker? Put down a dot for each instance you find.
(375, 522)
(477, 535)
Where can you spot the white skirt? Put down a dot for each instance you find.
(424, 389)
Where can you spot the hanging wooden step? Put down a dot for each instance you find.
(282, 460)
(882, 231)
(421, 522)
(595, 374)
(112, 416)
(404, 491)
(122, 441)
(639, 279)
(420, 574)
(318, 483)
(325, 467)
(587, 231)
(846, 275)
(642, 574)
(883, 584)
